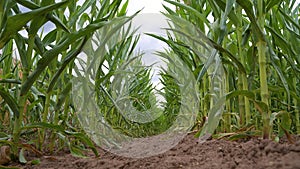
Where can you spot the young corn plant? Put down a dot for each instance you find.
(247, 34)
(36, 68)
(122, 65)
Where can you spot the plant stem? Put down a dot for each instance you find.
(55, 122)
(262, 59)
(241, 101)
(242, 77)
(227, 121)
(297, 113)
(205, 89)
(22, 99)
(44, 119)
(17, 125)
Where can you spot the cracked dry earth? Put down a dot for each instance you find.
(247, 154)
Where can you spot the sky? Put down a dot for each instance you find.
(150, 6)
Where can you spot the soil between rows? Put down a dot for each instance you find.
(254, 153)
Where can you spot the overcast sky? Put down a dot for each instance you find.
(150, 6)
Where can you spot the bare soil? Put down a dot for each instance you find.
(246, 154)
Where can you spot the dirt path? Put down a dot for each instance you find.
(256, 153)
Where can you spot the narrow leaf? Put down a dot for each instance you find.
(271, 4)
(16, 22)
(10, 101)
(70, 56)
(247, 6)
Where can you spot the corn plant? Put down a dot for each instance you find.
(36, 69)
(251, 47)
(123, 83)
(252, 40)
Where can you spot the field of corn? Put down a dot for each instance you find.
(256, 41)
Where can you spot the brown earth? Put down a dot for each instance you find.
(248, 154)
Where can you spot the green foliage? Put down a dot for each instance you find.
(136, 89)
(36, 68)
(241, 32)
(255, 43)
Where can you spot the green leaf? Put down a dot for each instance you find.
(10, 101)
(63, 95)
(271, 4)
(244, 135)
(7, 53)
(123, 10)
(286, 123)
(84, 139)
(214, 7)
(248, 7)
(83, 19)
(222, 135)
(191, 10)
(236, 93)
(214, 116)
(50, 37)
(36, 24)
(3, 13)
(27, 4)
(4, 136)
(58, 23)
(35, 161)
(21, 45)
(22, 158)
(38, 45)
(188, 30)
(83, 8)
(282, 78)
(50, 55)
(169, 10)
(76, 152)
(70, 57)
(281, 41)
(52, 18)
(18, 21)
(47, 2)
(261, 106)
(232, 16)
(289, 18)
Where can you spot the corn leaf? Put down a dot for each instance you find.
(85, 139)
(191, 10)
(84, 7)
(247, 6)
(51, 17)
(10, 101)
(63, 95)
(50, 55)
(70, 57)
(17, 22)
(189, 31)
(228, 12)
(123, 10)
(236, 93)
(272, 3)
